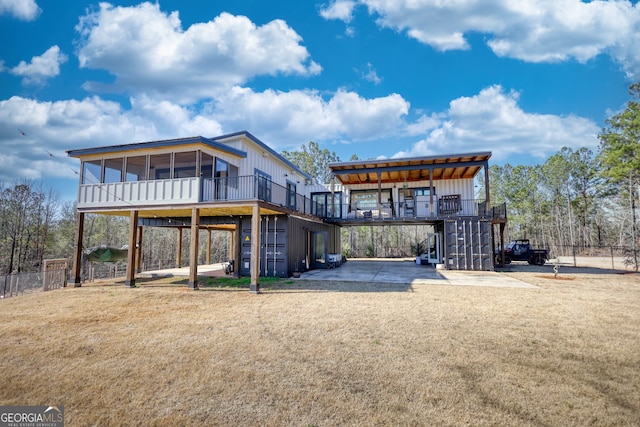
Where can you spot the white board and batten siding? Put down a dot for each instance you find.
(266, 162)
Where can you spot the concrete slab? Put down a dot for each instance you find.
(407, 271)
(215, 270)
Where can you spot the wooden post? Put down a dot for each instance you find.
(237, 242)
(254, 287)
(77, 252)
(131, 253)
(193, 252)
(179, 248)
(208, 246)
(139, 250)
(486, 185)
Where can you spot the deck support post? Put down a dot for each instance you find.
(193, 251)
(76, 270)
(179, 248)
(208, 246)
(254, 287)
(131, 253)
(139, 250)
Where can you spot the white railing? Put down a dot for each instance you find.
(156, 192)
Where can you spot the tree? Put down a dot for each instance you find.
(620, 155)
(313, 161)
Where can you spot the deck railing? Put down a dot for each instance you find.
(410, 210)
(190, 190)
(246, 188)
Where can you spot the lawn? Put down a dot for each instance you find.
(325, 354)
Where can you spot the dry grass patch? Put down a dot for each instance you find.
(306, 353)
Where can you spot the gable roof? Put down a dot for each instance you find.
(263, 146)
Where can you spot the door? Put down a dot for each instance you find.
(319, 253)
(434, 248)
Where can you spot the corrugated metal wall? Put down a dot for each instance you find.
(283, 244)
(467, 245)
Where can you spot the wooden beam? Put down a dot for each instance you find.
(77, 252)
(131, 254)
(208, 246)
(254, 286)
(139, 249)
(193, 252)
(486, 184)
(179, 248)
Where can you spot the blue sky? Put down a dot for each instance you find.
(375, 78)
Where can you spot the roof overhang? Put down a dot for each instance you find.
(82, 152)
(454, 166)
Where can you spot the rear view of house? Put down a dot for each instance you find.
(280, 221)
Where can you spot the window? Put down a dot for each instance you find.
(424, 191)
(92, 172)
(263, 186)
(136, 168)
(184, 165)
(322, 206)
(160, 166)
(113, 170)
(368, 199)
(206, 166)
(233, 176)
(221, 176)
(291, 195)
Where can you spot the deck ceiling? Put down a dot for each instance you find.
(459, 166)
(185, 212)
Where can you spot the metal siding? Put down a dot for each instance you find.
(464, 187)
(468, 245)
(273, 246)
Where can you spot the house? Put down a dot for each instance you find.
(279, 220)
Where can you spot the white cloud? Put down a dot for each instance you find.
(530, 30)
(148, 52)
(339, 9)
(493, 121)
(287, 119)
(41, 67)
(370, 74)
(54, 127)
(27, 10)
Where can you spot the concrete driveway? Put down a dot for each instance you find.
(408, 272)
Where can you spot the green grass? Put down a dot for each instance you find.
(239, 282)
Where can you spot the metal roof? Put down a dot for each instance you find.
(156, 144)
(452, 166)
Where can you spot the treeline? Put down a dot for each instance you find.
(36, 225)
(575, 199)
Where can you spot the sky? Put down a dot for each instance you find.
(374, 78)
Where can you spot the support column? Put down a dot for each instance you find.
(208, 246)
(486, 185)
(179, 249)
(76, 270)
(254, 287)
(237, 240)
(431, 210)
(193, 252)
(139, 250)
(131, 253)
